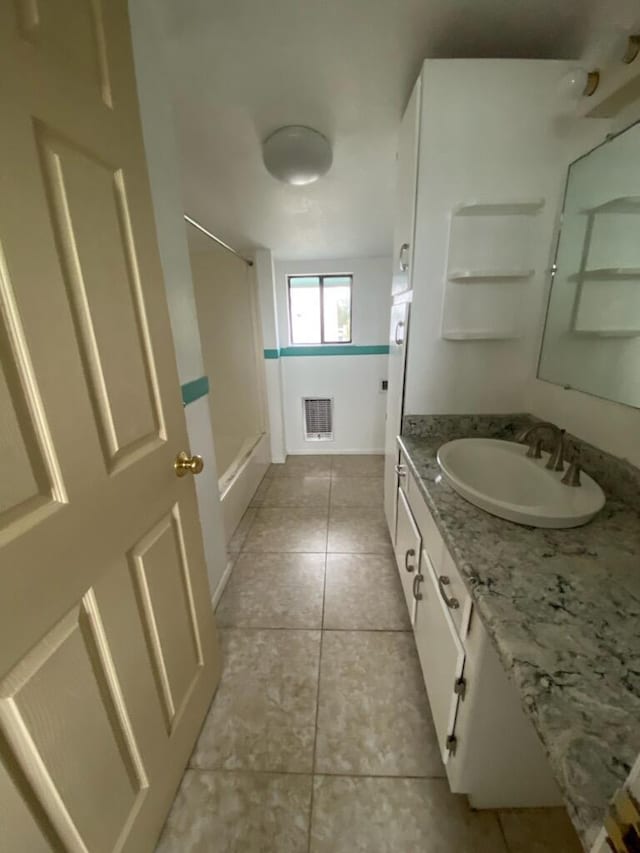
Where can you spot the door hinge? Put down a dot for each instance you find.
(452, 744)
(460, 687)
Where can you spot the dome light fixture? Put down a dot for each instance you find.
(297, 155)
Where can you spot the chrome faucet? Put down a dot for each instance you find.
(556, 460)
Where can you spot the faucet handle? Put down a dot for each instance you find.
(572, 475)
(535, 449)
(556, 460)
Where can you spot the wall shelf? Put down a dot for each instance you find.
(472, 276)
(525, 207)
(478, 335)
(607, 333)
(624, 204)
(607, 273)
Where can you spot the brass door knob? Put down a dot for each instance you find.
(186, 464)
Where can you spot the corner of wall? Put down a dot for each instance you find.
(268, 308)
(162, 164)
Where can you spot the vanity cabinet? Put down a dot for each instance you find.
(489, 748)
(407, 548)
(441, 653)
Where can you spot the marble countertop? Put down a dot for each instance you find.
(563, 609)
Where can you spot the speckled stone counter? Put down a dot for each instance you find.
(562, 607)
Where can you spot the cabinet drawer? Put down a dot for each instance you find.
(442, 562)
(407, 550)
(441, 654)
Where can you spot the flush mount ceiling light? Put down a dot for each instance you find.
(297, 155)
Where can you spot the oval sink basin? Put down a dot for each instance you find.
(499, 477)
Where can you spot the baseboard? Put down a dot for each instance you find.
(331, 452)
(217, 595)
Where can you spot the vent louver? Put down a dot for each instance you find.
(318, 418)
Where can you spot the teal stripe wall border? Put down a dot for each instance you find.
(192, 391)
(328, 349)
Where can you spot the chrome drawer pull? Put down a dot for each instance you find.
(410, 553)
(416, 583)
(399, 325)
(443, 581)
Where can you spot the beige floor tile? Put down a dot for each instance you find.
(302, 491)
(373, 717)
(357, 491)
(288, 529)
(352, 815)
(358, 466)
(260, 492)
(318, 465)
(363, 592)
(358, 530)
(273, 591)
(242, 531)
(221, 812)
(263, 714)
(539, 831)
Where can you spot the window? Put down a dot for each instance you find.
(320, 309)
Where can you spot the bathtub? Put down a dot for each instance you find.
(240, 479)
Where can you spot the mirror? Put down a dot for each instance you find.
(592, 332)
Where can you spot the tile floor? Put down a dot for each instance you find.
(320, 738)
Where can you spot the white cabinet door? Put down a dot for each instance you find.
(398, 330)
(406, 181)
(407, 549)
(440, 651)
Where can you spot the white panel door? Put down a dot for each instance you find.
(108, 656)
(398, 331)
(406, 188)
(440, 651)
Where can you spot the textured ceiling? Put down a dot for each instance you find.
(238, 69)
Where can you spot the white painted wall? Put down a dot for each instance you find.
(497, 137)
(267, 301)
(525, 150)
(162, 162)
(611, 426)
(607, 425)
(352, 381)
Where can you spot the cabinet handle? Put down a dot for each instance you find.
(404, 265)
(400, 470)
(399, 325)
(443, 581)
(416, 583)
(410, 553)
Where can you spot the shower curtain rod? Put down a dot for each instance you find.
(217, 239)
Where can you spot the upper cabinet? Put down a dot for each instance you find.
(405, 200)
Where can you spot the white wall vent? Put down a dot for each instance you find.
(318, 418)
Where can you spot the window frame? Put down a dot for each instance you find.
(321, 278)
